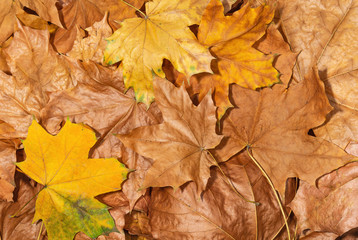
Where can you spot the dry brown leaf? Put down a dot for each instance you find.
(325, 33)
(320, 236)
(46, 9)
(36, 70)
(99, 102)
(7, 168)
(10, 11)
(332, 206)
(186, 135)
(92, 46)
(273, 43)
(219, 213)
(274, 123)
(21, 227)
(7, 19)
(137, 223)
(118, 10)
(78, 13)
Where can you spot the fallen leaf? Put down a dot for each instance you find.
(100, 93)
(274, 124)
(230, 39)
(219, 213)
(20, 227)
(331, 207)
(118, 10)
(324, 33)
(46, 9)
(36, 70)
(78, 13)
(92, 46)
(71, 180)
(12, 10)
(320, 235)
(142, 44)
(7, 19)
(7, 168)
(137, 223)
(186, 135)
(273, 43)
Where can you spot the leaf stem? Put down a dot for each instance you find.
(18, 211)
(273, 188)
(229, 182)
(42, 224)
(137, 9)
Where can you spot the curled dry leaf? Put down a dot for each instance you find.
(325, 33)
(60, 163)
(163, 32)
(77, 13)
(179, 145)
(92, 46)
(99, 102)
(332, 206)
(220, 213)
(36, 70)
(274, 123)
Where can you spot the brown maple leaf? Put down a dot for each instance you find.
(219, 213)
(179, 145)
(12, 10)
(274, 124)
(35, 70)
(331, 207)
(78, 13)
(92, 46)
(325, 34)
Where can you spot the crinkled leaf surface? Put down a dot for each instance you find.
(118, 10)
(36, 70)
(7, 168)
(92, 46)
(20, 227)
(179, 145)
(220, 213)
(332, 207)
(46, 9)
(230, 39)
(79, 13)
(142, 44)
(60, 163)
(325, 34)
(275, 123)
(273, 43)
(12, 10)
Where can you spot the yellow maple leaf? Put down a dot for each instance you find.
(60, 163)
(230, 39)
(142, 44)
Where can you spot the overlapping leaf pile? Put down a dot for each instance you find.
(178, 119)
